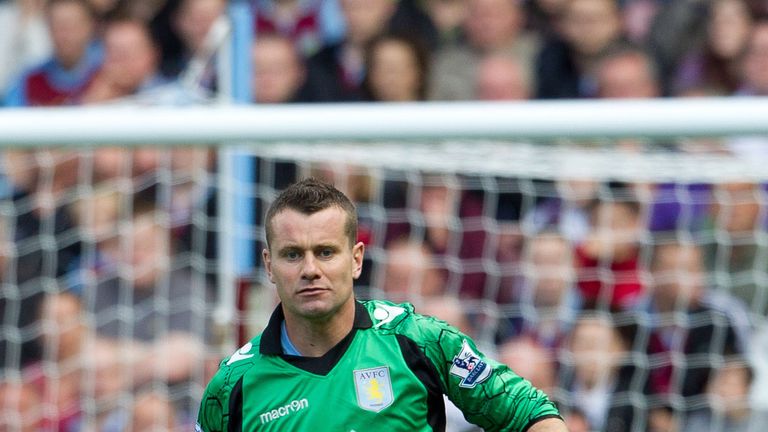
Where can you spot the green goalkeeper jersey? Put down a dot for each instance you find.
(389, 374)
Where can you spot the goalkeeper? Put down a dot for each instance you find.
(327, 362)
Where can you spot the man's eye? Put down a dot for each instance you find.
(326, 253)
(292, 255)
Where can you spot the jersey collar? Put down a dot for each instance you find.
(270, 338)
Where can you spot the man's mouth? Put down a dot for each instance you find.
(311, 290)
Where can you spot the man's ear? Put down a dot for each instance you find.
(358, 252)
(267, 258)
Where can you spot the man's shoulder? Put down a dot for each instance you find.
(233, 367)
(387, 315)
(400, 318)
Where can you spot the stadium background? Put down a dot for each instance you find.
(555, 233)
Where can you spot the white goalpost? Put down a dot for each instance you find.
(411, 121)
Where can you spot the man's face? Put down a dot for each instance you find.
(395, 74)
(738, 208)
(71, 30)
(678, 276)
(756, 60)
(627, 76)
(501, 78)
(277, 70)
(195, 18)
(366, 18)
(311, 263)
(150, 251)
(596, 349)
(590, 25)
(550, 270)
(728, 389)
(493, 24)
(130, 59)
(618, 228)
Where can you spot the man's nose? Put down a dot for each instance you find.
(309, 269)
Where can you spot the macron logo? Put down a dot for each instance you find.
(241, 354)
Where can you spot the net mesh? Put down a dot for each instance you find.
(633, 269)
(632, 273)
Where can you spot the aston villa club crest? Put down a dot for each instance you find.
(374, 388)
(469, 367)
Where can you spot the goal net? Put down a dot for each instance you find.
(632, 267)
(627, 277)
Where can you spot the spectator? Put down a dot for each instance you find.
(24, 41)
(607, 259)
(278, 70)
(18, 346)
(452, 230)
(103, 8)
(149, 299)
(410, 274)
(626, 73)
(411, 18)
(567, 212)
(308, 24)
(716, 67)
(491, 26)
(638, 17)
(142, 10)
(397, 69)
(549, 301)
(58, 378)
(732, 248)
(448, 17)
(151, 274)
(545, 16)
(190, 22)
(152, 412)
(676, 27)
(21, 408)
(686, 320)
(501, 77)
(130, 63)
(728, 408)
(449, 309)
(598, 377)
(679, 207)
(336, 72)
(76, 56)
(40, 181)
(74, 354)
(564, 65)
(534, 362)
(96, 215)
(755, 62)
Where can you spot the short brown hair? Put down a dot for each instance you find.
(310, 196)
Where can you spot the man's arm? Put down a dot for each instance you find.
(488, 393)
(549, 425)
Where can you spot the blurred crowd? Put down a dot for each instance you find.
(636, 306)
(59, 52)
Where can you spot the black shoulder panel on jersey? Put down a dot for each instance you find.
(425, 371)
(235, 423)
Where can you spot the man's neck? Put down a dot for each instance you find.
(315, 337)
